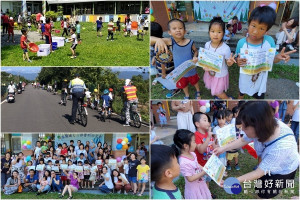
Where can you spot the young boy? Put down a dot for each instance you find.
(228, 33)
(11, 29)
(110, 28)
(78, 26)
(42, 29)
(141, 29)
(162, 115)
(74, 42)
(260, 21)
(99, 27)
(228, 116)
(183, 49)
(24, 44)
(164, 169)
(119, 24)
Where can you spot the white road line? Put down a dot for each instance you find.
(3, 101)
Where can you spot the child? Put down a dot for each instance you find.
(106, 101)
(41, 172)
(62, 23)
(24, 44)
(146, 27)
(234, 154)
(74, 42)
(44, 148)
(58, 150)
(80, 174)
(218, 82)
(29, 164)
(142, 175)
(48, 30)
(183, 49)
(99, 27)
(78, 26)
(228, 116)
(235, 113)
(96, 99)
(110, 28)
(195, 186)
(141, 29)
(81, 158)
(228, 33)
(64, 150)
(126, 167)
(93, 175)
(65, 31)
(42, 29)
(260, 21)
(132, 173)
(43, 183)
(63, 175)
(164, 169)
(128, 27)
(37, 149)
(86, 173)
(11, 29)
(29, 25)
(161, 114)
(119, 25)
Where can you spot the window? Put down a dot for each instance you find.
(104, 7)
(16, 144)
(129, 7)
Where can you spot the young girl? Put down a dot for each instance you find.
(86, 173)
(80, 175)
(73, 187)
(195, 186)
(72, 153)
(93, 175)
(99, 167)
(142, 175)
(41, 173)
(164, 169)
(63, 176)
(43, 184)
(70, 169)
(29, 164)
(126, 167)
(218, 82)
(235, 112)
(162, 115)
(183, 49)
(128, 27)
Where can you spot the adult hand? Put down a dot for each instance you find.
(219, 150)
(285, 56)
(241, 62)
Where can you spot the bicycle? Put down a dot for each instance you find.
(82, 112)
(135, 117)
(105, 114)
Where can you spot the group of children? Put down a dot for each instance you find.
(193, 150)
(183, 49)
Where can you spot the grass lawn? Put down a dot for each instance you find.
(246, 162)
(31, 195)
(279, 71)
(93, 51)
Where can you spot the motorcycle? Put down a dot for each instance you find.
(19, 91)
(23, 88)
(11, 98)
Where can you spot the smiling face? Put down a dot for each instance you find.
(216, 33)
(203, 123)
(177, 30)
(290, 22)
(257, 30)
(115, 173)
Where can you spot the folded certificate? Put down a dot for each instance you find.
(55, 168)
(86, 167)
(71, 167)
(226, 134)
(48, 167)
(112, 161)
(63, 166)
(210, 60)
(93, 169)
(31, 167)
(40, 167)
(215, 169)
(98, 162)
(79, 169)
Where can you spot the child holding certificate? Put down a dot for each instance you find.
(80, 175)
(260, 21)
(183, 49)
(218, 82)
(93, 175)
(86, 174)
(184, 146)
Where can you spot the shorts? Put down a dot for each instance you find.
(146, 28)
(63, 178)
(86, 177)
(207, 178)
(25, 50)
(230, 156)
(262, 96)
(78, 36)
(10, 31)
(48, 39)
(132, 179)
(73, 46)
(74, 189)
(99, 29)
(143, 181)
(184, 81)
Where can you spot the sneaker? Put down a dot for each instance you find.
(228, 167)
(237, 167)
(277, 47)
(106, 39)
(29, 60)
(125, 192)
(126, 124)
(119, 192)
(290, 47)
(73, 57)
(173, 93)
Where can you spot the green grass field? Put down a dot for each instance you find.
(31, 195)
(93, 51)
(246, 163)
(279, 71)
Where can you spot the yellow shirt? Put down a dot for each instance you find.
(143, 172)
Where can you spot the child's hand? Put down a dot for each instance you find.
(231, 60)
(222, 183)
(285, 56)
(160, 46)
(241, 62)
(195, 60)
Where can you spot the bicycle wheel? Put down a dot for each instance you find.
(123, 116)
(83, 117)
(136, 120)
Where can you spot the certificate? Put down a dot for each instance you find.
(210, 60)
(48, 167)
(55, 168)
(31, 167)
(71, 167)
(215, 169)
(180, 71)
(86, 167)
(226, 134)
(170, 85)
(258, 60)
(112, 161)
(63, 166)
(40, 167)
(98, 162)
(79, 169)
(93, 169)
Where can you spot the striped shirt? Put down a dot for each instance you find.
(282, 156)
(110, 26)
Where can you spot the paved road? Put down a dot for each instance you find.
(37, 110)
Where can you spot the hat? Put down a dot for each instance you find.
(11, 18)
(127, 81)
(76, 75)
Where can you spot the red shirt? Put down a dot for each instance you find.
(38, 17)
(64, 152)
(4, 19)
(47, 29)
(23, 39)
(11, 25)
(200, 139)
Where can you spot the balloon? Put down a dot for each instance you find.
(125, 146)
(151, 11)
(119, 141)
(119, 146)
(28, 142)
(124, 157)
(23, 141)
(131, 149)
(152, 18)
(202, 102)
(203, 109)
(119, 159)
(123, 142)
(207, 105)
(129, 139)
(45, 137)
(28, 146)
(28, 158)
(24, 147)
(207, 109)
(128, 135)
(49, 137)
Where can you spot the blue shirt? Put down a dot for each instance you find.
(43, 27)
(31, 180)
(106, 100)
(99, 23)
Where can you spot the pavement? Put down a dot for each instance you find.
(33, 36)
(36, 110)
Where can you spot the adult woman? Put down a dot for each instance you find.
(72, 153)
(19, 165)
(52, 152)
(120, 182)
(12, 183)
(56, 182)
(287, 33)
(5, 168)
(99, 146)
(47, 187)
(274, 144)
(81, 150)
(74, 185)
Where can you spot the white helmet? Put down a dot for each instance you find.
(127, 81)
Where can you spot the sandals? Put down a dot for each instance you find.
(197, 95)
(70, 197)
(186, 98)
(61, 196)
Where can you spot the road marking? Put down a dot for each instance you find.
(3, 101)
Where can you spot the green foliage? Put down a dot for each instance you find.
(33, 17)
(52, 14)
(60, 10)
(6, 78)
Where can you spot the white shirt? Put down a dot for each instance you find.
(122, 175)
(108, 183)
(88, 94)
(146, 23)
(128, 25)
(65, 24)
(295, 117)
(223, 50)
(110, 95)
(74, 37)
(78, 152)
(11, 88)
(37, 151)
(126, 168)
